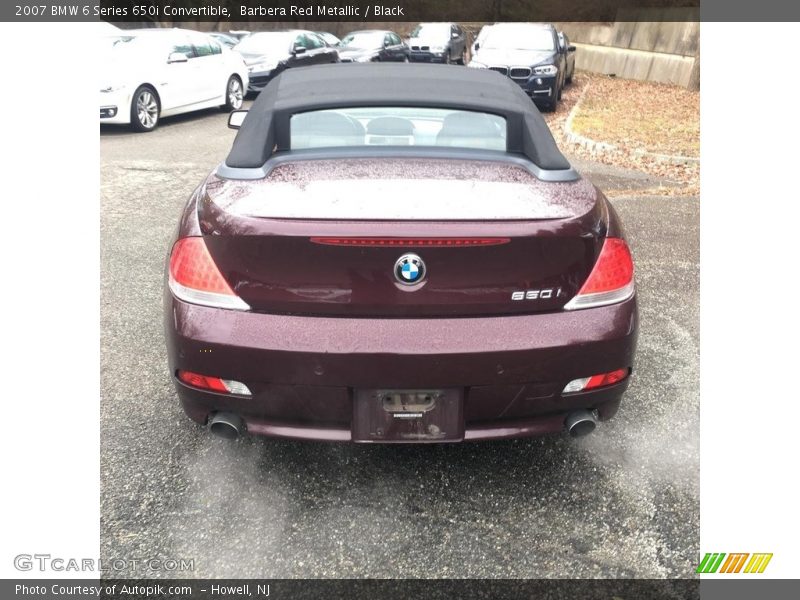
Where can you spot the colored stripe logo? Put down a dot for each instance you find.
(714, 562)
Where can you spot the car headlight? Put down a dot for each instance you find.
(477, 65)
(264, 66)
(437, 49)
(545, 70)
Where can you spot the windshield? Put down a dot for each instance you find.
(362, 40)
(519, 38)
(266, 43)
(431, 31)
(397, 126)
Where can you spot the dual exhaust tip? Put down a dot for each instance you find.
(230, 426)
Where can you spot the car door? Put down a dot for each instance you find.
(210, 71)
(570, 57)
(561, 59)
(180, 82)
(313, 54)
(323, 52)
(398, 47)
(386, 53)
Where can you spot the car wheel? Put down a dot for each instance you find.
(145, 109)
(234, 94)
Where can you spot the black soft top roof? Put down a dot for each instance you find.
(265, 130)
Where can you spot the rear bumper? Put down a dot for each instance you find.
(303, 370)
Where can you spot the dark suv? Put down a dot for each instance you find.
(438, 42)
(528, 53)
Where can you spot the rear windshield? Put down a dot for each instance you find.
(398, 126)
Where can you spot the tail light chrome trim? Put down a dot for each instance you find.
(601, 298)
(181, 292)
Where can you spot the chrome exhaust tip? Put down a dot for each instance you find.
(226, 425)
(581, 422)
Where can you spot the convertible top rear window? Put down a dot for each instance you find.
(474, 100)
(397, 126)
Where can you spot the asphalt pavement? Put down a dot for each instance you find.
(623, 502)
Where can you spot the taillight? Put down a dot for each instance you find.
(611, 279)
(195, 278)
(595, 381)
(214, 384)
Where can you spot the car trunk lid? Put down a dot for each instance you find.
(324, 237)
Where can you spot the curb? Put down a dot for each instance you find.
(595, 147)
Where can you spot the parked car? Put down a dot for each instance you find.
(569, 54)
(357, 268)
(529, 54)
(224, 39)
(152, 73)
(268, 53)
(329, 38)
(370, 45)
(438, 42)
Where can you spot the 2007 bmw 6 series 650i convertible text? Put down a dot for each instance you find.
(398, 253)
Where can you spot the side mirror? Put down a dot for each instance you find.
(299, 50)
(386, 43)
(571, 49)
(477, 46)
(177, 57)
(236, 118)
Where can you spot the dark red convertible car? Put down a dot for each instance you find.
(398, 253)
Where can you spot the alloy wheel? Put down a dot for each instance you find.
(147, 109)
(235, 93)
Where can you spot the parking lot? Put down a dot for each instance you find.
(623, 502)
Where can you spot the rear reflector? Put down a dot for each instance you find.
(611, 279)
(214, 384)
(595, 381)
(410, 242)
(195, 278)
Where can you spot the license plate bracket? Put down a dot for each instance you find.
(408, 415)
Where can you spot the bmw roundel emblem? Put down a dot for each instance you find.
(409, 269)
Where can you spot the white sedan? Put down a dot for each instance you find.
(152, 73)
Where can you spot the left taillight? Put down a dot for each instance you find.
(195, 278)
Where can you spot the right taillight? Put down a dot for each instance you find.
(194, 276)
(611, 279)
